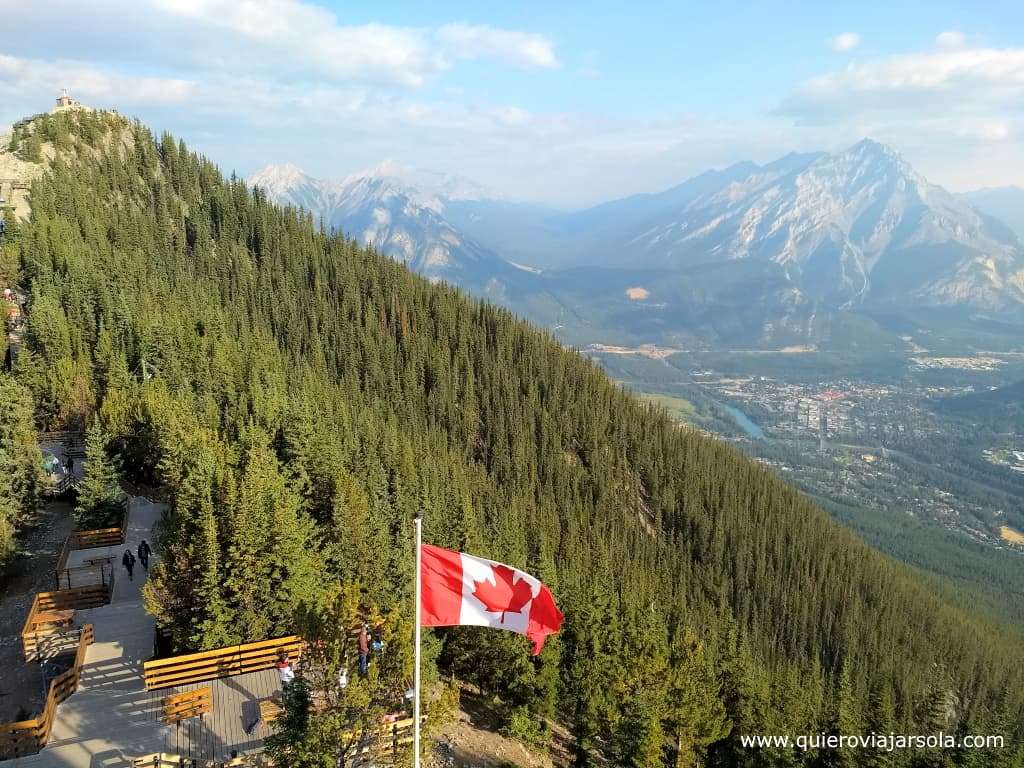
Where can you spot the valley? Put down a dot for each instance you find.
(871, 442)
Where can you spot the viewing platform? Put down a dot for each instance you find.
(110, 718)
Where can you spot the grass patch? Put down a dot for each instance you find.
(677, 407)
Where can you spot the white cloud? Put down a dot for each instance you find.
(250, 82)
(281, 38)
(951, 40)
(845, 41)
(943, 80)
(956, 111)
(88, 83)
(480, 41)
(290, 32)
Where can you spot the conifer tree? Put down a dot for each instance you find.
(349, 707)
(99, 490)
(746, 699)
(268, 568)
(32, 149)
(881, 720)
(695, 716)
(844, 720)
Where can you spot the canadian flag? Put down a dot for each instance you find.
(459, 589)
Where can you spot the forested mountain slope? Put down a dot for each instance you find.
(298, 397)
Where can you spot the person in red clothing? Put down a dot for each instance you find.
(284, 669)
(364, 650)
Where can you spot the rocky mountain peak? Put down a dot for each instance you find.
(280, 177)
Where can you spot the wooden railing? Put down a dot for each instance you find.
(382, 746)
(91, 596)
(96, 537)
(26, 737)
(388, 740)
(44, 641)
(61, 487)
(220, 662)
(60, 436)
(165, 760)
(95, 571)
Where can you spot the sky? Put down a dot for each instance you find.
(566, 103)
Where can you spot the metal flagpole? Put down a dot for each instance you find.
(416, 671)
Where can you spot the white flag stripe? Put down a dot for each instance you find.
(474, 612)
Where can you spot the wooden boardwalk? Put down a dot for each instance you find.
(235, 708)
(112, 718)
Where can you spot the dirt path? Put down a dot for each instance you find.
(22, 686)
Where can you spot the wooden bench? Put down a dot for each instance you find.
(270, 710)
(182, 706)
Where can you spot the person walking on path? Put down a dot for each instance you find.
(364, 650)
(128, 561)
(144, 552)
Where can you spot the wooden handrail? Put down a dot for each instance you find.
(95, 537)
(60, 487)
(63, 599)
(167, 760)
(219, 662)
(26, 737)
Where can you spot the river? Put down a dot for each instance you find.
(744, 421)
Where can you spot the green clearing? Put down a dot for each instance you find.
(677, 407)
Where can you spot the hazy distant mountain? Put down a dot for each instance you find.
(780, 253)
(855, 228)
(847, 229)
(1003, 203)
(557, 239)
(398, 211)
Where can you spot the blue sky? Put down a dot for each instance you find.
(566, 103)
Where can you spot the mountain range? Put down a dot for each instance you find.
(765, 254)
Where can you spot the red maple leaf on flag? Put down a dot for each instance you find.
(506, 595)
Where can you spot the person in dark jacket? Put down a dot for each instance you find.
(128, 561)
(144, 552)
(364, 650)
